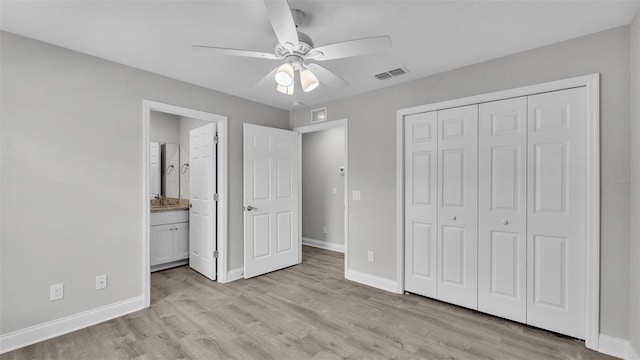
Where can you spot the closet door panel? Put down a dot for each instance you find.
(457, 205)
(421, 212)
(502, 212)
(556, 202)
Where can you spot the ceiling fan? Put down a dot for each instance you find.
(297, 51)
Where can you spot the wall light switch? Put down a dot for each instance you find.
(356, 195)
(334, 191)
(325, 229)
(101, 282)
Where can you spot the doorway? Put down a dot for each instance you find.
(197, 129)
(324, 186)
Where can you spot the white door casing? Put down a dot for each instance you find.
(556, 203)
(421, 203)
(502, 211)
(202, 189)
(271, 199)
(457, 205)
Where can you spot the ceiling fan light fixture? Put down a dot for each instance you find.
(287, 90)
(308, 80)
(284, 75)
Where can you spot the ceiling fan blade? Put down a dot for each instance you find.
(350, 48)
(282, 22)
(327, 76)
(268, 79)
(238, 52)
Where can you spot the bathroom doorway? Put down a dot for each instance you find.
(185, 191)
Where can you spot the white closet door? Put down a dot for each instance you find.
(502, 211)
(457, 205)
(421, 210)
(556, 202)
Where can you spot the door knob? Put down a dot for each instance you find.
(249, 208)
(505, 222)
(453, 217)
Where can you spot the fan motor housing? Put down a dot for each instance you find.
(305, 45)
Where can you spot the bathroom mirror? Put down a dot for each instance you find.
(164, 170)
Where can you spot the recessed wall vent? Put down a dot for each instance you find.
(391, 73)
(318, 115)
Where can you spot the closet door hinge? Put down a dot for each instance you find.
(215, 254)
(215, 138)
(215, 197)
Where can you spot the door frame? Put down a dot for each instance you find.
(343, 123)
(592, 271)
(222, 204)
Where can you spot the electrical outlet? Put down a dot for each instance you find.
(101, 282)
(356, 195)
(325, 229)
(370, 255)
(56, 292)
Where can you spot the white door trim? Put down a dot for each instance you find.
(344, 123)
(592, 84)
(222, 205)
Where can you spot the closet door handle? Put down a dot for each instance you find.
(453, 217)
(505, 222)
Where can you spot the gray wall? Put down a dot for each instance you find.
(634, 287)
(322, 155)
(164, 128)
(372, 150)
(71, 180)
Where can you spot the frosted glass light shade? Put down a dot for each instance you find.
(284, 75)
(308, 80)
(287, 90)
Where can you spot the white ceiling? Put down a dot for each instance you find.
(428, 36)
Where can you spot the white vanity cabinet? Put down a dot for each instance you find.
(169, 239)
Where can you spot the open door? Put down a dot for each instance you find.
(202, 188)
(271, 234)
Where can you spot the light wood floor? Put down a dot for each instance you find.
(304, 312)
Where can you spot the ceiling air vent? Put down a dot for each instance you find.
(318, 115)
(391, 73)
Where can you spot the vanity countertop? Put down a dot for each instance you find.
(167, 204)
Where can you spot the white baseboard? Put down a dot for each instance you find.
(235, 274)
(373, 281)
(31, 335)
(323, 244)
(614, 346)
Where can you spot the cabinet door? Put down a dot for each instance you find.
(161, 244)
(556, 199)
(457, 205)
(180, 241)
(502, 211)
(421, 208)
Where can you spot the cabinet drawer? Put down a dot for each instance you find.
(169, 217)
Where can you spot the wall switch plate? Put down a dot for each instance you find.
(356, 195)
(370, 255)
(325, 229)
(101, 282)
(334, 191)
(56, 292)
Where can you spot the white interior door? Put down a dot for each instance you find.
(502, 211)
(421, 203)
(556, 202)
(457, 205)
(271, 234)
(202, 189)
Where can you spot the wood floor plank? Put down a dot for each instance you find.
(307, 311)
